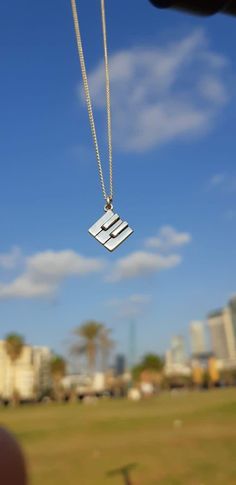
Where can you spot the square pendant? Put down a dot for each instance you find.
(110, 230)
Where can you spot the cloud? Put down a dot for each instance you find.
(45, 271)
(139, 299)
(217, 180)
(169, 92)
(223, 181)
(142, 263)
(213, 89)
(11, 259)
(168, 238)
(131, 306)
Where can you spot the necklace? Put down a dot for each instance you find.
(109, 230)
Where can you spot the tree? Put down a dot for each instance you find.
(150, 362)
(58, 370)
(106, 344)
(88, 334)
(14, 344)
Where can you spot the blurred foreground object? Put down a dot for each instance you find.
(124, 472)
(12, 464)
(199, 7)
(134, 394)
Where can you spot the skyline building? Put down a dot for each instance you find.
(120, 364)
(197, 338)
(229, 331)
(218, 334)
(29, 375)
(176, 359)
(232, 310)
(178, 354)
(222, 334)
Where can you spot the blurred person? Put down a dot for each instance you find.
(12, 463)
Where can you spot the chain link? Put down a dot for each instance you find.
(107, 197)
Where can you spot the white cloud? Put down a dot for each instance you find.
(11, 259)
(223, 181)
(25, 287)
(131, 306)
(139, 299)
(141, 263)
(58, 265)
(168, 238)
(213, 89)
(45, 271)
(168, 92)
(217, 180)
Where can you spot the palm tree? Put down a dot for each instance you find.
(88, 334)
(106, 344)
(14, 344)
(58, 370)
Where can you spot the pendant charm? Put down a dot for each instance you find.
(110, 230)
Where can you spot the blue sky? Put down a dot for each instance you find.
(174, 114)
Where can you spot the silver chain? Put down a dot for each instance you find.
(107, 197)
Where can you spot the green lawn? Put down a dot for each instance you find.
(78, 444)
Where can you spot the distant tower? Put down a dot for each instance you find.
(132, 344)
(197, 338)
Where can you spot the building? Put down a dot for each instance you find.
(174, 368)
(84, 384)
(29, 376)
(41, 357)
(178, 354)
(197, 338)
(229, 315)
(222, 334)
(175, 359)
(218, 334)
(120, 364)
(232, 310)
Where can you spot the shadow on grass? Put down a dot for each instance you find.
(125, 472)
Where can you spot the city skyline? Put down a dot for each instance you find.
(174, 105)
(213, 337)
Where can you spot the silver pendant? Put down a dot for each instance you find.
(110, 230)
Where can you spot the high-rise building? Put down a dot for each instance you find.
(178, 350)
(222, 335)
(232, 310)
(29, 375)
(229, 330)
(175, 358)
(132, 344)
(197, 338)
(41, 362)
(120, 364)
(217, 334)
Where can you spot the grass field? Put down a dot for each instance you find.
(173, 440)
